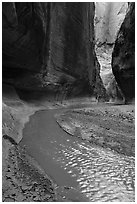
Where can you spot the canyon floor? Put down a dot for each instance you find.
(75, 150)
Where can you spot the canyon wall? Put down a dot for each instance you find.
(49, 46)
(108, 19)
(123, 57)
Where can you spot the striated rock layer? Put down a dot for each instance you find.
(123, 57)
(50, 46)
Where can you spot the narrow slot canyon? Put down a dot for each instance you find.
(68, 102)
(107, 21)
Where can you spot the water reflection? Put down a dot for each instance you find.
(85, 169)
(101, 174)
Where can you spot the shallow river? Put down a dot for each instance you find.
(83, 172)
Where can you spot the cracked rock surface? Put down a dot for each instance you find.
(22, 180)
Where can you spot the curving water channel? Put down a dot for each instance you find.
(83, 172)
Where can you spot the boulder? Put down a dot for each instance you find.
(47, 43)
(123, 57)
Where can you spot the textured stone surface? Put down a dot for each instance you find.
(99, 89)
(123, 57)
(108, 19)
(23, 179)
(49, 45)
(106, 126)
(104, 55)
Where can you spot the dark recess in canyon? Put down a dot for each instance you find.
(123, 57)
(50, 46)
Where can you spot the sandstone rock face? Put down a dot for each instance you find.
(123, 57)
(100, 91)
(49, 45)
(104, 55)
(108, 19)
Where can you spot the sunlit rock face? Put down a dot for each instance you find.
(108, 19)
(49, 45)
(123, 57)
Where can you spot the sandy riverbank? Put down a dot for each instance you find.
(22, 175)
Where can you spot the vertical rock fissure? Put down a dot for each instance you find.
(108, 19)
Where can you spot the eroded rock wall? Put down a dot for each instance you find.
(49, 45)
(123, 57)
(108, 19)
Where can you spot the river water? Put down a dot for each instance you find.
(82, 171)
